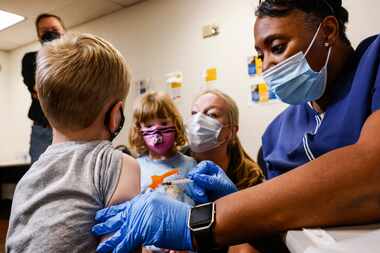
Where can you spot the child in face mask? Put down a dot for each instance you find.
(156, 136)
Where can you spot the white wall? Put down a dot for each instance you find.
(4, 84)
(363, 20)
(4, 101)
(162, 36)
(19, 125)
(4, 78)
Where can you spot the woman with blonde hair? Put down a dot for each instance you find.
(212, 132)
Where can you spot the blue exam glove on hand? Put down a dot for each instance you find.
(148, 219)
(210, 183)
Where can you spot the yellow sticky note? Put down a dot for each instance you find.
(263, 92)
(211, 74)
(259, 65)
(175, 85)
(263, 88)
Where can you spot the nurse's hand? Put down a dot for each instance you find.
(210, 183)
(148, 219)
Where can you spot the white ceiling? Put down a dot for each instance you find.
(73, 13)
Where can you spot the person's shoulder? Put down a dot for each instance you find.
(128, 184)
(116, 174)
(30, 56)
(364, 44)
(186, 162)
(366, 47)
(98, 155)
(31, 53)
(288, 113)
(101, 145)
(290, 116)
(185, 157)
(129, 162)
(28, 62)
(144, 159)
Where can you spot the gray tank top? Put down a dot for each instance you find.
(55, 202)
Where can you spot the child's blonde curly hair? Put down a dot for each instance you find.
(150, 106)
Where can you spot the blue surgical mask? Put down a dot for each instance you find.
(294, 81)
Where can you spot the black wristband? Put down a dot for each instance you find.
(201, 223)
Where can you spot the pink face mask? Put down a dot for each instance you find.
(159, 139)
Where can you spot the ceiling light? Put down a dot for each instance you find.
(8, 19)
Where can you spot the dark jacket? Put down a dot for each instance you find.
(28, 73)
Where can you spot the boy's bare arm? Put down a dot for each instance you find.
(128, 185)
(129, 181)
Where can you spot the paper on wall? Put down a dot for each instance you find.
(259, 92)
(175, 83)
(211, 75)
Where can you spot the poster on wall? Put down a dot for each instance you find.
(174, 81)
(251, 66)
(259, 92)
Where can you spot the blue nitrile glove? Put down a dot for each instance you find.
(210, 183)
(148, 219)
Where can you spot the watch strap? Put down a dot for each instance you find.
(204, 239)
(204, 236)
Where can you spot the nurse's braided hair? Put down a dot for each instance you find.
(318, 8)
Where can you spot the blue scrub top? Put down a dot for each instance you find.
(299, 134)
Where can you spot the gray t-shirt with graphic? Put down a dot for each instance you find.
(55, 202)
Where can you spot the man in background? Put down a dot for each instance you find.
(48, 27)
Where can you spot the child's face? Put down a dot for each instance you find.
(159, 136)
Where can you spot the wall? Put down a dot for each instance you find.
(4, 84)
(363, 20)
(4, 78)
(16, 127)
(4, 101)
(162, 36)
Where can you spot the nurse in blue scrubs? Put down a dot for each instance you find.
(322, 154)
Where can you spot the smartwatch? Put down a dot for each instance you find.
(200, 222)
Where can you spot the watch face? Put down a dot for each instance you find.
(201, 216)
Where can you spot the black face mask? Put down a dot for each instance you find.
(50, 36)
(121, 124)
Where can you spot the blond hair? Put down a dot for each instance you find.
(150, 106)
(242, 169)
(76, 77)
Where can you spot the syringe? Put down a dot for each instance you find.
(178, 181)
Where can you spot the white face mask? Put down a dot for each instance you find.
(203, 132)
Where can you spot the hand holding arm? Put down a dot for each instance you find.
(148, 219)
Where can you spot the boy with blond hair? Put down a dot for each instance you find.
(82, 83)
